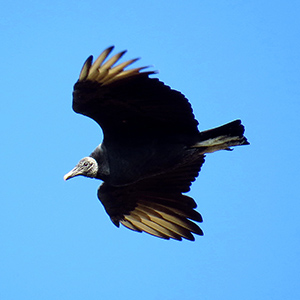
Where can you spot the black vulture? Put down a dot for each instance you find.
(152, 149)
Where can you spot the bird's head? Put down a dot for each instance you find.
(87, 166)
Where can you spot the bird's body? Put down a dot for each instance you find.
(151, 151)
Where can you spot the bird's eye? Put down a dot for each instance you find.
(86, 164)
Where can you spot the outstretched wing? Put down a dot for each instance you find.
(129, 102)
(156, 205)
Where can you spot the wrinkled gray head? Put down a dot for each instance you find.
(87, 166)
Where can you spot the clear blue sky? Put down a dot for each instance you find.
(232, 59)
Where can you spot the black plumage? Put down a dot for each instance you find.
(152, 150)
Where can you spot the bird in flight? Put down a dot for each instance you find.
(152, 149)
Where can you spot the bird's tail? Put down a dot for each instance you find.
(222, 138)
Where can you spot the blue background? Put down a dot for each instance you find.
(232, 59)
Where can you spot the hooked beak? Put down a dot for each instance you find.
(72, 173)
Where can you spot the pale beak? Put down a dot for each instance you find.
(72, 173)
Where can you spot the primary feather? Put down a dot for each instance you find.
(152, 150)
